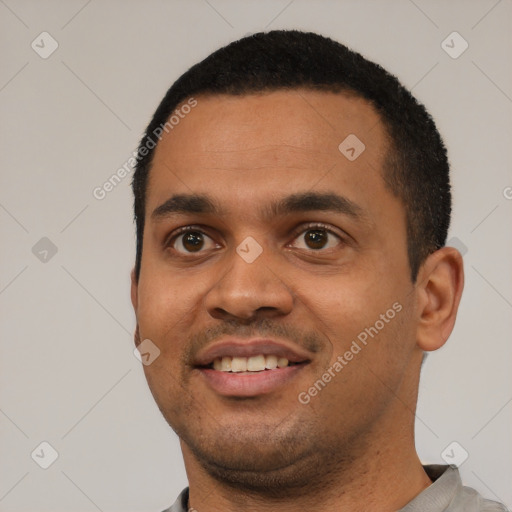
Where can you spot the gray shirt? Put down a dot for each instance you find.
(446, 494)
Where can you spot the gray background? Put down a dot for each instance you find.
(68, 375)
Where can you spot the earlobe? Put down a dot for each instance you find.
(439, 286)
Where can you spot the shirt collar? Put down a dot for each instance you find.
(437, 496)
(446, 484)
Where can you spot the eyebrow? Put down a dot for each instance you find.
(294, 203)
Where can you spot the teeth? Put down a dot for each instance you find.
(226, 364)
(256, 363)
(252, 364)
(271, 362)
(239, 364)
(282, 362)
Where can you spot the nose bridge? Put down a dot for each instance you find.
(249, 286)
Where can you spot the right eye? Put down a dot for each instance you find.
(191, 241)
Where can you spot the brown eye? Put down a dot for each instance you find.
(316, 238)
(192, 241)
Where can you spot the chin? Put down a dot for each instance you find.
(268, 471)
(262, 459)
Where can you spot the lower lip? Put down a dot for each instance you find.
(259, 383)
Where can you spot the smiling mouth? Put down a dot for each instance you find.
(248, 365)
(258, 374)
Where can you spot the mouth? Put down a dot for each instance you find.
(244, 377)
(249, 365)
(250, 369)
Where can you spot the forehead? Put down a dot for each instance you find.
(259, 142)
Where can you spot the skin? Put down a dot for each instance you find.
(352, 446)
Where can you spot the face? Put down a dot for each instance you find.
(265, 244)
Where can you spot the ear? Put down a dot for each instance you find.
(134, 292)
(439, 289)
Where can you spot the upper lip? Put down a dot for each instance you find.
(247, 348)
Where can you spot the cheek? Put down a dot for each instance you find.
(346, 303)
(369, 356)
(166, 309)
(366, 324)
(165, 305)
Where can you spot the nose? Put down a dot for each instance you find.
(247, 291)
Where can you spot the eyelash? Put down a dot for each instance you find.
(182, 231)
(317, 225)
(302, 229)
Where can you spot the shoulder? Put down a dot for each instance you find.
(447, 488)
(181, 503)
(471, 501)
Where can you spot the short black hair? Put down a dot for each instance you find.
(416, 168)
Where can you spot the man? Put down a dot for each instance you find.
(292, 202)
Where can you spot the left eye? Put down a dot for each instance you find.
(316, 239)
(192, 241)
